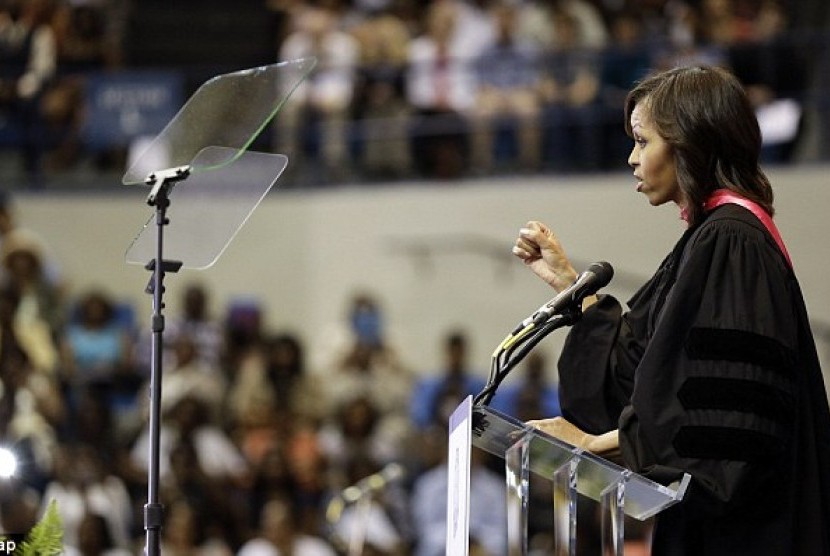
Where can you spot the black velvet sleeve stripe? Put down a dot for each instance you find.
(725, 443)
(740, 345)
(737, 395)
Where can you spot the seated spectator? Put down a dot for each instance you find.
(188, 482)
(97, 359)
(19, 505)
(537, 23)
(322, 101)
(372, 374)
(440, 86)
(9, 228)
(297, 391)
(39, 314)
(507, 74)
(243, 335)
(450, 384)
(278, 534)
(380, 108)
(357, 431)
(97, 347)
(310, 476)
(697, 35)
(31, 405)
(188, 419)
(249, 392)
(194, 319)
(94, 539)
(365, 364)
(530, 397)
(27, 63)
(82, 483)
(622, 66)
(187, 532)
(773, 70)
(271, 478)
(488, 517)
(363, 322)
(188, 375)
(81, 48)
(570, 95)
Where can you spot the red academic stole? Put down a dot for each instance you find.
(723, 196)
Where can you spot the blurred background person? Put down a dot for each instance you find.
(81, 484)
(40, 309)
(537, 23)
(440, 86)
(94, 539)
(32, 407)
(507, 97)
(82, 48)
(187, 532)
(9, 226)
(488, 515)
(96, 353)
(626, 62)
(570, 100)
(532, 395)
(454, 381)
(196, 321)
(356, 432)
(320, 104)
(381, 113)
(278, 534)
(187, 419)
(28, 60)
(772, 66)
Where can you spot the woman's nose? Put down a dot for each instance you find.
(633, 157)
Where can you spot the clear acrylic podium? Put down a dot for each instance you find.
(573, 472)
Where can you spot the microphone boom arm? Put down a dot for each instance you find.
(529, 339)
(563, 310)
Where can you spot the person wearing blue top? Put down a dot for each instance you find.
(451, 384)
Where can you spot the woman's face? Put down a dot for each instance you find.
(653, 161)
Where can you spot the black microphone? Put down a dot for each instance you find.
(597, 276)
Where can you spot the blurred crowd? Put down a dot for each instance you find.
(257, 448)
(437, 89)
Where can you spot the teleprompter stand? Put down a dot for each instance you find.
(158, 198)
(201, 158)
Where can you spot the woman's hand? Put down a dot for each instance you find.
(561, 428)
(538, 247)
(606, 445)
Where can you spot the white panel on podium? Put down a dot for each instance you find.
(458, 484)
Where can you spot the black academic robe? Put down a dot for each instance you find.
(713, 371)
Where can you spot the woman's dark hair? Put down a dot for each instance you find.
(705, 116)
